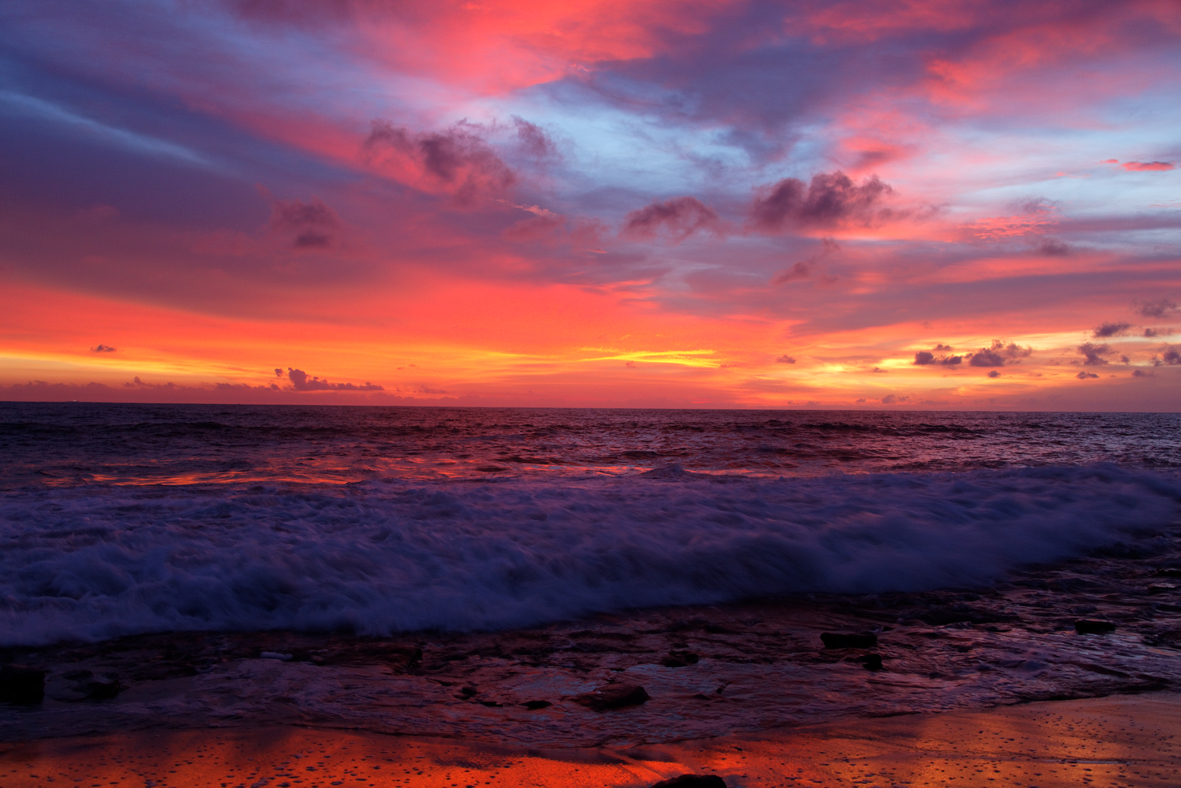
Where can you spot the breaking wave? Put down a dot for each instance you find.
(377, 558)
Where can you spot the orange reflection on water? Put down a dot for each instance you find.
(1103, 743)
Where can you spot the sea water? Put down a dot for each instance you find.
(125, 519)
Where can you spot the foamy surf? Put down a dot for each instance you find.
(380, 558)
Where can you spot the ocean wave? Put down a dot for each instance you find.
(91, 563)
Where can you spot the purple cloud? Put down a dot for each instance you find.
(829, 200)
(1111, 330)
(677, 218)
(301, 382)
(1094, 354)
(998, 354)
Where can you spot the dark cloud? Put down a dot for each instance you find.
(1140, 373)
(891, 399)
(986, 358)
(309, 225)
(1157, 308)
(278, 372)
(785, 359)
(923, 358)
(457, 158)
(101, 348)
(533, 140)
(1158, 332)
(678, 218)
(301, 382)
(942, 346)
(1086, 375)
(1093, 354)
(993, 374)
(998, 354)
(1171, 355)
(1052, 247)
(829, 200)
(1111, 330)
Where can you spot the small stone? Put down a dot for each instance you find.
(19, 684)
(692, 781)
(871, 661)
(612, 696)
(849, 640)
(534, 705)
(1092, 626)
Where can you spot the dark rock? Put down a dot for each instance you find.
(1161, 588)
(19, 684)
(679, 659)
(692, 781)
(849, 640)
(612, 696)
(534, 705)
(1092, 626)
(871, 661)
(103, 686)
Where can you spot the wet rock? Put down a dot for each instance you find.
(871, 661)
(679, 659)
(1093, 626)
(20, 684)
(612, 696)
(534, 705)
(692, 781)
(849, 640)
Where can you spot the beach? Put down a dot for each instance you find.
(1116, 741)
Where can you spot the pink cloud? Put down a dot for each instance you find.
(1148, 166)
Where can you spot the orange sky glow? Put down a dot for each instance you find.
(938, 204)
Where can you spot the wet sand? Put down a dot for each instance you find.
(1115, 741)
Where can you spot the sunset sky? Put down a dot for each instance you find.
(934, 204)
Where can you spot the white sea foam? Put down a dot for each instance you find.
(92, 563)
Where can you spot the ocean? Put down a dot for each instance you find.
(128, 519)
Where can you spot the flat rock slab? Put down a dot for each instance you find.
(1102, 743)
(613, 696)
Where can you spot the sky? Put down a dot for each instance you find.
(871, 204)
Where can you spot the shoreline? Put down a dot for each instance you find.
(1101, 742)
(704, 671)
